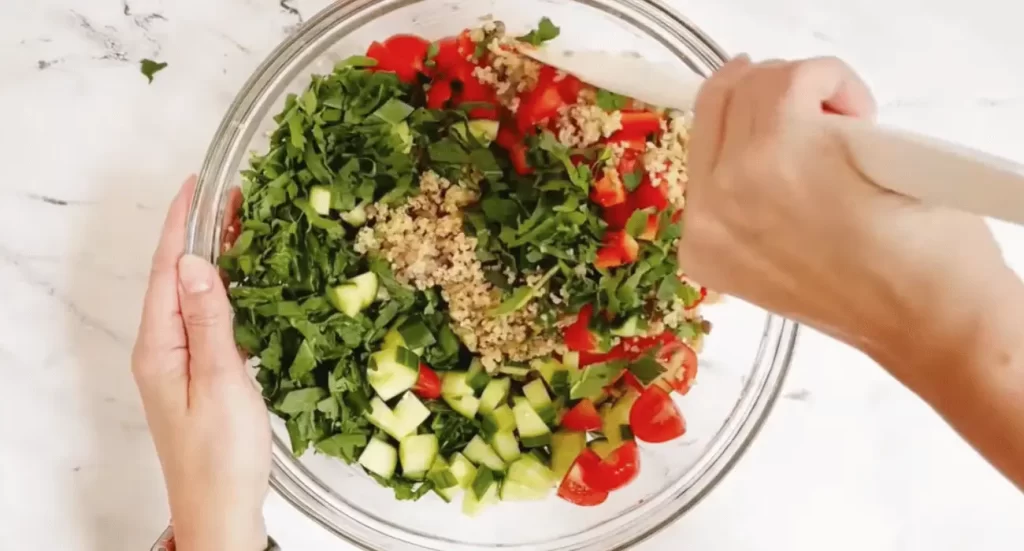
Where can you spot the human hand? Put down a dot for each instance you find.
(207, 418)
(777, 214)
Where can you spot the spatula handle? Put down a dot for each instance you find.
(935, 171)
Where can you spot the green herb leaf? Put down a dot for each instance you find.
(610, 101)
(303, 363)
(637, 223)
(646, 369)
(150, 68)
(545, 31)
(595, 378)
(344, 446)
(300, 401)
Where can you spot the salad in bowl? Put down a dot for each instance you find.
(455, 267)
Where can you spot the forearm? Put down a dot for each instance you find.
(968, 364)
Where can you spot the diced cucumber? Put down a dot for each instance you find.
(463, 469)
(458, 394)
(482, 454)
(602, 447)
(485, 131)
(565, 447)
(546, 367)
(445, 484)
(537, 394)
(404, 136)
(530, 472)
(394, 339)
(415, 333)
(517, 372)
(380, 458)
(501, 419)
(616, 416)
(347, 298)
(355, 217)
(632, 327)
(514, 491)
(393, 371)
(320, 199)
(417, 454)
(571, 360)
(477, 377)
(368, 285)
(473, 505)
(495, 394)
(381, 415)
(505, 443)
(410, 412)
(533, 431)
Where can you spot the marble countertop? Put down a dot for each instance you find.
(849, 460)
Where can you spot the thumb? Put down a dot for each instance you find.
(207, 315)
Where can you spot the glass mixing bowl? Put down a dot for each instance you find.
(742, 366)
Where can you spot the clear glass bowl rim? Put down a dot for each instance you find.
(289, 478)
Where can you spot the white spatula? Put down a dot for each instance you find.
(931, 170)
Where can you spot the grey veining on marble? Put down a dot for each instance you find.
(92, 153)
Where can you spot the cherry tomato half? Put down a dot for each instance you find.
(680, 363)
(428, 385)
(578, 337)
(582, 417)
(616, 471)
(407, 55)
(574, 490)
(655, 418)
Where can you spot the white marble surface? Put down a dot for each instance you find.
(91, 155)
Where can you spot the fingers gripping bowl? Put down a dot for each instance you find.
(742, 363)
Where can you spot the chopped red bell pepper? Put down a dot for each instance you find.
(402, 54)
(619, 249)
(439, 94)
(640, 123)
(608, 191)
(578, 337)
(647, 195)
(570, 88)
(541, 103)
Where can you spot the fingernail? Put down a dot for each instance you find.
(194, 274)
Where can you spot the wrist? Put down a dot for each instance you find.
(246, 533)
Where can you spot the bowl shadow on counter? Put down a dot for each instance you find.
(120, 502)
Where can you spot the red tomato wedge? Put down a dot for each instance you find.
(655, 418)
(608, 191)
(541, 103)
(570, 88)
(440, 94)
(573, 488)
(380, 53)
(618, 215)
(680, 363)
(428, 385)
(578, 337)
(647, 195)
(619, 249)
(408, 53)
(616, 471)
(650, 232)
(640, 123)
(582, 417)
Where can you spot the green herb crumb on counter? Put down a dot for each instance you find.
(150, 68)
(455, 267)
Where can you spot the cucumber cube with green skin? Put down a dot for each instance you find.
(380, 458)
(547, 368)
(368, 285)
(440, 475)
(506, 445)
(458, 394)
(616, 416)
(404, 136)
(565, 448)
(383, 418)
(533, 431)
(537, 394)
(514, 491)
(514, 371)
(320, 199)
(473, 505)
(501, 419)
(494, 394)
(532, 473)
(393, 339)
(477, 377)
(484, 131)
(417, 454)
(571, 361)
(602, 447)
(355, 217)
(393, 371)
(463, 469)
(480, 453)
(347, 298)
(632, 327)
(410, 412)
